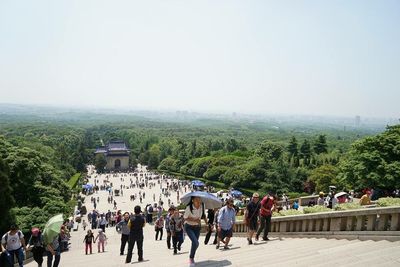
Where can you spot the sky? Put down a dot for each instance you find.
(337, 57)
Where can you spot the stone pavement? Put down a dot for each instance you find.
(277, 252)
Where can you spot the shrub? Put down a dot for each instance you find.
(348, 206)
(316, 209)
(388, 201)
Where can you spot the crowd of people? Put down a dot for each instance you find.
(173, 223)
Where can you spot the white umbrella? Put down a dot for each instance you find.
(210, 201)
(340, 194)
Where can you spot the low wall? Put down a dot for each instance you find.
(371, 223)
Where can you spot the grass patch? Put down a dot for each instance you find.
(73, 181)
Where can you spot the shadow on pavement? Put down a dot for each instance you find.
(214, 263)
(136, 262)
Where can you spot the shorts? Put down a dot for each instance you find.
(225, 233)
(253, 224)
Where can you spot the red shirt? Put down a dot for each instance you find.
(267, 202)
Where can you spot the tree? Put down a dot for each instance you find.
(269, 151)
(100, 162)
(320, 145)
(154, 156)
(323, 177)
(293, 147)
(305, 151)
(232, 145)
(6, 198)
(374, 162)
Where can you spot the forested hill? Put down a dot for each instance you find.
(42, 149)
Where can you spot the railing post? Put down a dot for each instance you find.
(326, 225)
(394, 222)
(371, 222)
(360, 223)
(283, 227)
(350, 223)
(383, 222)
(335, 224)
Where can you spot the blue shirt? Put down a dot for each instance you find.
(226, 217)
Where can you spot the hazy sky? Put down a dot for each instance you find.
(290, 57)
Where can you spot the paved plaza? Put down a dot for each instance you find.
(277, 252)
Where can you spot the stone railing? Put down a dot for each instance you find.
(371, 223)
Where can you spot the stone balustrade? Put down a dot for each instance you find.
(362, 222)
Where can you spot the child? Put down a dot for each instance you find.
(88, 240)
(176, 227)
(84, 224)
(102, 239)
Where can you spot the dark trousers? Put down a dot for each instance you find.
(168, 239)
(265, 224)
(208, 235)
(159, 230)
(124, 239)
(19, 253)
(131, 245)
(38, 255)
(50, 259)
(103, 227)
(177, 240)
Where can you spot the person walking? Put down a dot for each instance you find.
(210, 226)
(136, 224)
(35, 244)
(122, 227)
(159, 226)
(251, 216)
(53, 249)
(194, 212)
(88, 240)
(226, 223)
(176, 226)
(13, 243)
(102, 239)
(102, 223)
(167, 225)
(266, 207)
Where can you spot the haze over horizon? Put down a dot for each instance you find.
(336, 58)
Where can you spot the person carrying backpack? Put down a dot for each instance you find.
(35, 244)
(136, 224)
(13, 243)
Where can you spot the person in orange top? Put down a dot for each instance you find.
(366, 199)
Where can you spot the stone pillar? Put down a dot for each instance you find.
(383, 222)
(350, 223)
(326, 225)
(360, 222)
(335, 224)
(394, 222)
(283, 227)
(304, 227)
(371, 222)
(318, 225)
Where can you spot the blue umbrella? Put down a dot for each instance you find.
(210, 201)
(236, 193)
(197, 183)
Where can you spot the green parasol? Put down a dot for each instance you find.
(52, 228)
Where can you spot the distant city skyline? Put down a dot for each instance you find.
(318, 58)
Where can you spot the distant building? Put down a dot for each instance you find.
(117, 155)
